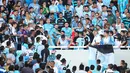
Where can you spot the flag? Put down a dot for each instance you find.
(105, 49)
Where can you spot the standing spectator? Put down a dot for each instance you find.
(45, 53)
(57, 61)
(113, 7)
(35, 5)
(126, 20)
(53, 8)
(11, 55)
(62, 67)
(80, 27)
(68, 14)
(79, 9)
(74, 22)
(28, 19)
(109, 69)
(74, 68)
(45, 10)
(94, 7)
(81, 69)
(60, 6)
(36, 65)
(11, 69)
(27, 69)
(99, 4)
(16, 69)
(98, 69)
(115, 69)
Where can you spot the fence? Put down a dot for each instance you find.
(61, 47)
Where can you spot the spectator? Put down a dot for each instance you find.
(36, 65)
(11, 69)
(115, 69)
(110, 17)
(27, 69)
(45, 9)
(60, 21)
(16, 69)
(63, 41)
(87, 69)
(67, 29)
(98, 69)
(68, 14)
(45, 53)
(35, 6)
(79, 9)
(57, 61)
(81, 69)
(60, 6)
(74, 68)
(109, 69)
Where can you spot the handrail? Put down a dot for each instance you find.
(85, 47)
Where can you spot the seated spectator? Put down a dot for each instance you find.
(63, 41)
(60, 21)
(80, 27)
(67, 30)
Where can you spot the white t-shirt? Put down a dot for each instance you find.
(57, 63)
(39, 49)
(14, 31)
(42, 37)
(79, 10)
(81, 71)
(29, 52)
(96, 39)
(99, 6)
(11, 56)
(55, 70)
(4, 44)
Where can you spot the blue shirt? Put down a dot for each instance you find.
(122, 4)
(61, 8)
(28, 1)
(35, 6)
(16, 71)
(67, 31)
(48, 27)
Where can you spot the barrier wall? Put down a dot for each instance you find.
(76, 57)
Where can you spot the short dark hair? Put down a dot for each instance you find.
(114, 67)
(81, 66)
(8, 43)
(16, 67)
(110, 66)
(98, 61)
(92, 67)
(63, 60)
(21, 58)
(39, 60)
(42, 65)
(58, 56)
(62, 36)
(11, 68)
(44, 42)
(74, 68)
(86, 68)
(127, 71)
(46, 46)
(98, 68)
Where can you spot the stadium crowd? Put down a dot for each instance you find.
(29, 27)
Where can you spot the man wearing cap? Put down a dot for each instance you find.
(111, 18)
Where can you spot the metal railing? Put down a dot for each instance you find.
(78, 47)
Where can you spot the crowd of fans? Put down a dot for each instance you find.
(29, 27)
